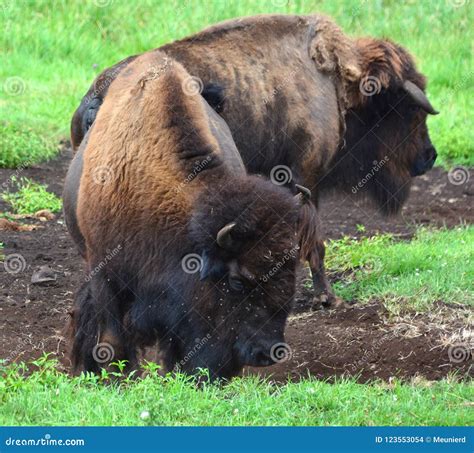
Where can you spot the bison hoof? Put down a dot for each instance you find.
(325, 300)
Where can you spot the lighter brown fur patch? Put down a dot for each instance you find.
(136, 125)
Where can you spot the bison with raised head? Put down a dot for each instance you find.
(299, 93)
(182, 246)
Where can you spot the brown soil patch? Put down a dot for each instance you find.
(361, 341)
(357, 341)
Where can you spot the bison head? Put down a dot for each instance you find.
(245, 235)
(386, 142)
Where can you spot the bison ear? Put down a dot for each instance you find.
(419, 97)
(303, 196)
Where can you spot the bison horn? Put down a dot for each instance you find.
(303, 195)
(419, 97)
(224, 238)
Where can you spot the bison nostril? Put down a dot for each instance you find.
(424, 161)
(262, 358)
(257, 354)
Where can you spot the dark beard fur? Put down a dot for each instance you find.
(349, 170)
(389, 194)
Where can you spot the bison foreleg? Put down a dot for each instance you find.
(323, 294)
(312, 250)
(100, 335)
(83, 330)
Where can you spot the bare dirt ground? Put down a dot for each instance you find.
(362, 340)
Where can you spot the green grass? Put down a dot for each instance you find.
(53, 50)
(48, 397)
(31, 197)
(22, 145)
(435, 265)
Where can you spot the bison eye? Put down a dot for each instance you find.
(236, 284)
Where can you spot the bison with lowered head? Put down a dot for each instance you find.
(298, 92)
(156, 192)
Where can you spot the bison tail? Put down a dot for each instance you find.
(309, 233)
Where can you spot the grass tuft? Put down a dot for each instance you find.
(21, 145)
(435, 265)
(31, 197)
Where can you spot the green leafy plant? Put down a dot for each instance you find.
(22, 145)
(31, 197)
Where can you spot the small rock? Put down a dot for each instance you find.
(43, 275)
(43, 257)
(44, 215)
(145, 415)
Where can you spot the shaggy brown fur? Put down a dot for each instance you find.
(293, 96)
(151, 204)
(387, 140)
